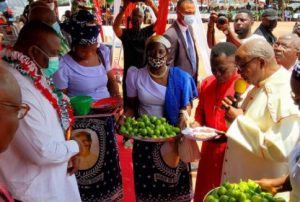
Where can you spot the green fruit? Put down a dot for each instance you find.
(123, 130)
(144, 117)
(172, 134)
(242, 197)
(243, 186)
(130, 130)
(163, 120)
(176, 130)
(141, 124)
(215, 194)
(209, 198)
(153, 119)
(231, 199)
(150, 132)
(252, 184)
(222, 191)
(158, 122)
(144, 132)
(256, 198)
(157, 133)
(163, 132)
(224, 198)
(264, 200)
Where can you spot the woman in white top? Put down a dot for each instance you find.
(162, 91)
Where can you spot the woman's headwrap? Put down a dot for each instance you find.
(159, 39)
(296, 71)
(83, 28)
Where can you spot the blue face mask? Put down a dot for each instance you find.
(56, 27)
(52, 67)
(3, 6)
(189, 19)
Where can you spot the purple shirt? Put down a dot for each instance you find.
(81, 80)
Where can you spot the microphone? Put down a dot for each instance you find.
(240, 87)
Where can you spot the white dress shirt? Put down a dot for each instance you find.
(34, 167)
(183, 30)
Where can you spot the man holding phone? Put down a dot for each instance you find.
(243, 22)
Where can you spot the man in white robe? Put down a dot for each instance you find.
(266, 128)
(35, 166)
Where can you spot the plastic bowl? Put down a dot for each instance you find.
(81, 104)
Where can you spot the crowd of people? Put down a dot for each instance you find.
(49, 63)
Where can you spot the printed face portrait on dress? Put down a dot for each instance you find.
(88, 149)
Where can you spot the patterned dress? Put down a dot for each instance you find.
(102, 180)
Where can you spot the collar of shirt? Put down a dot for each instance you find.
(181, 27)
(294, 65)
(270, 78)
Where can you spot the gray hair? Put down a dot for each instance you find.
(259, 48)
(293, 38)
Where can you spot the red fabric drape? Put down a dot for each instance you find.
(127, 13)
(97, 6)
(162, 17)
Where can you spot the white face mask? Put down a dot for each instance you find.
(189, 19)
(51, 5)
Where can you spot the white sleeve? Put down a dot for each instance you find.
(295, 169)
(35, 142)
(131, 82)
(275, 144)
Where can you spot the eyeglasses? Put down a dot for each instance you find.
(284, 46)
(295, 97)
(242, 67)
(22, 109)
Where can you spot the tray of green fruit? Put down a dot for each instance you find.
(240, 192)
(149, 129)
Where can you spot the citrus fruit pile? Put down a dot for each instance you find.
(242, 192)
(148, 126)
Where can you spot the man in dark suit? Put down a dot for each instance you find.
(183, 50)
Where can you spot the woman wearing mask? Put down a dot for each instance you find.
(162, 91)
(85, 71)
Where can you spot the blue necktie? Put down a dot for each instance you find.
(191, 50)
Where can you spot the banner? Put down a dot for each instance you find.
(162, 17)
(202, 45)
(98, 14)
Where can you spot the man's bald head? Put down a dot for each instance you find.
(37, 4)
(43, 14)
(9, 88)
(38, 41)
(33, 33)
(255, 61)
(257, 48)
(10, 99)
(287, 50)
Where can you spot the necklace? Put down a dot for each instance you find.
(159, 76)
(57, 99)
